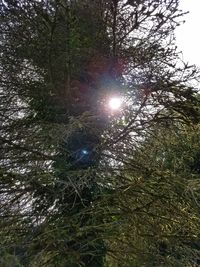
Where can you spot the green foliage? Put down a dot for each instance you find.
(8, 260)
(60, 62)
(157, 202)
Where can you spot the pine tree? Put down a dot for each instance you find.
(156, 203)
(60, 62)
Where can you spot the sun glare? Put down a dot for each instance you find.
(115, 103)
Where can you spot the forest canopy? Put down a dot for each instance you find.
(83, 182)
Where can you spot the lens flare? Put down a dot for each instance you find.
(84, 152)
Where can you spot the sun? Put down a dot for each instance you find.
(115, 103)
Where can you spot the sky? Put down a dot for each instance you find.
(188, 34)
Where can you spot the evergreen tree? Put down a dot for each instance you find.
(60, 62)
(157, 202)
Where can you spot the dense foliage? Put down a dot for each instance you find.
(81, 185)
(156, 204)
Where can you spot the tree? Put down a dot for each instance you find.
(156, 202)
(45, 85)
(60, 61)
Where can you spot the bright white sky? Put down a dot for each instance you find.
(188, 34)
